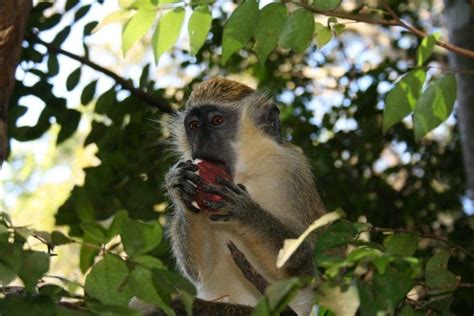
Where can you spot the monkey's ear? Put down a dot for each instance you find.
(269, 121)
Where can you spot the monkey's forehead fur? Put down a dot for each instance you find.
(223, 92)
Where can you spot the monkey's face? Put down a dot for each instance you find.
(211, 132)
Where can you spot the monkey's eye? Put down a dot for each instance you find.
(217, 120)
(194, 124)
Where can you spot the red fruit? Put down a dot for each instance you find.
(208, 172)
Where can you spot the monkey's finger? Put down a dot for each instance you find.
(227, 184)
(210, 188)
(213, 205)
(221, 217)
(240, 185)
(188, 188)
(191, 176)
(188, 201)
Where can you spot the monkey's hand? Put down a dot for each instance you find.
(182, 182)
(236, 203)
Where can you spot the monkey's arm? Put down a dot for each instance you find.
(237, 205)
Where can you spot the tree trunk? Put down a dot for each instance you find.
(459, 16)
(13, 17)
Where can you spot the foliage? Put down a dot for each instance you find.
(121, 195)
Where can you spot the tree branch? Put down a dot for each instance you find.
(395, 230)
(396, 21)
(126, 84)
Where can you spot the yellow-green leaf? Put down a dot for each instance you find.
(198, 27)
(270, 23)
(118, 16)
(401, 100)
(434, 106)
(297, 32)
(167, 32)
(136, 28)
(323, 34)
(425, 49)
(239, 28)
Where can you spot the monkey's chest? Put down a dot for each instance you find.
(220, 278)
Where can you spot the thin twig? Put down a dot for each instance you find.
(126, 84)
(459, 50)
(396, 21)
(396, 230)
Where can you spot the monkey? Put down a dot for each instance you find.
(272, 195)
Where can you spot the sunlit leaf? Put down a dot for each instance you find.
(239, 28)
(338, 28)
(270, 23)
(332, 296)
(297, 32)
(136, 28)
(434, 105)
(323, 35)
(401, 100)
(425, 49)
(198, 27)
(290, 245)
(167, 31)
(118, 16)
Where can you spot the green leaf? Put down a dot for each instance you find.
(425, 49)
(167, 31)
(106, 101)
(53, 65)
(402, 99)
(381, 263)
(87, 254)
(107, 281)
(239, 28)
(438, 278)
(88, 93)
(338, 234)
(58, 238)
(198, 27)
(403, 244)
(280, 293)
(141, 285)
(119, 219)
(34, 265)
(89, 27)
(139, 238)
(81, 12)
(270, 24)
(297, 32)
(61, 36)
(94, 231)
(168, 282)
(7, 274)
(136, 28)
(323, 35)
(124, 4)
(339, 28)
(435, 105)
(262, 308)
(326, 5)
(69, 120)
(149, 262)
(363, 252)
(73, 79)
